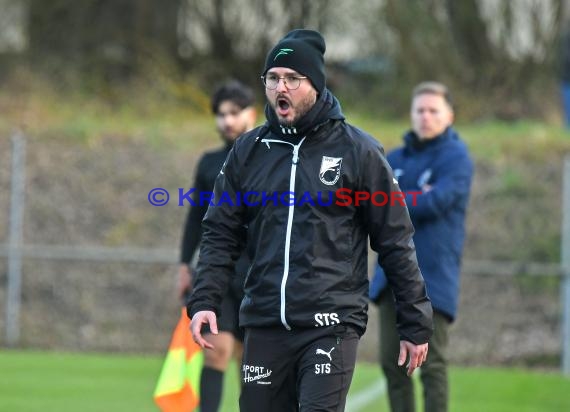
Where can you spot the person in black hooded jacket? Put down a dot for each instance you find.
(294, 191)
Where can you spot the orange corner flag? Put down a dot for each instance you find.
(179, 381)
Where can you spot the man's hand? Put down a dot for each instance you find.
(184, 280)
(200, 318)
(417, 354)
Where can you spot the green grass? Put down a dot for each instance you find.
(31, 381)
(62, 382)
(488, 140)
(175, 115)
(507, 390)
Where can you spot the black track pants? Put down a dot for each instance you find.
(298, 370)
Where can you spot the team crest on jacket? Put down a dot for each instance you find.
(330, 170)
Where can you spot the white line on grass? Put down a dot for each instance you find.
(365, 397)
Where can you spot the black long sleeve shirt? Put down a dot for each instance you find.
(208, 168)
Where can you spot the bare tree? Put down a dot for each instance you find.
(232, 37)
(497, 50)
(95, 34)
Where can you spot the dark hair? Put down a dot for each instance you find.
(234, 91)
(433, 88)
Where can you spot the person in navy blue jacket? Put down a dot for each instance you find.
(435, 162)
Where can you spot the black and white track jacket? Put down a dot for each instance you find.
(289, 195)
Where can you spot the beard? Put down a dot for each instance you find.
(301, 109)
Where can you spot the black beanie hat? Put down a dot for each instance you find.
(303, 51)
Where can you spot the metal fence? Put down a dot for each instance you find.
(86, 263)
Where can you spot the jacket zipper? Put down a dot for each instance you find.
(294, 162)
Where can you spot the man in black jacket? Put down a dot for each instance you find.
(304, 192)
(232, 104)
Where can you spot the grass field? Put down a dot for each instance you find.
(62, 382)
(157, 115)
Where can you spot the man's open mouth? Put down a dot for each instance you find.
(283, 106)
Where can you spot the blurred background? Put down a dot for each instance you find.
(103, 100)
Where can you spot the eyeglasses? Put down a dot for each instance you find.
(271, 81)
